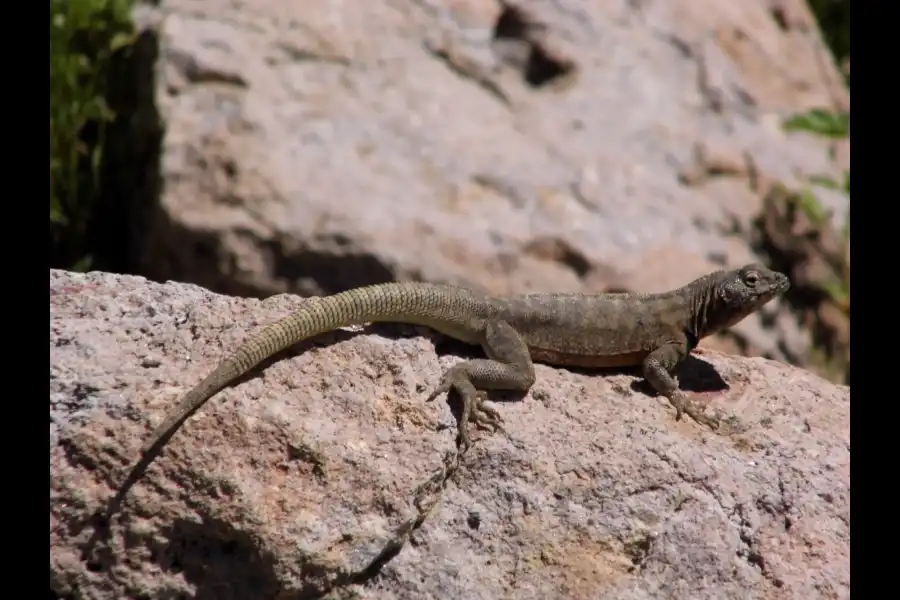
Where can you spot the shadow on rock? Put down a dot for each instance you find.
(694, 375)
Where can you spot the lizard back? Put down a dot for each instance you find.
(597, 330)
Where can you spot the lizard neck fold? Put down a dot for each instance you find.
(702, 301)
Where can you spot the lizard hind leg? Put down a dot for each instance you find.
(508, 367)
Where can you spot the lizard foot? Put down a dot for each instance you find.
(474, 409)
(483, 415)
(477, 412)
(717, 422)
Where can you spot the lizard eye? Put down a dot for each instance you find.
(751, 278)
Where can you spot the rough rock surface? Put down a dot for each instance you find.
(520, 146)
(326, 475)
(512, 146)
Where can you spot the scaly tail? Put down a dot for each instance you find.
(446, 309)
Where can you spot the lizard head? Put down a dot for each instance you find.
(735, 294)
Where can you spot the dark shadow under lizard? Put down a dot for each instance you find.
(694, 375)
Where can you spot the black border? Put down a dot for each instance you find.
(866, 167)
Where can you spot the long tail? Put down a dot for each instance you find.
(447, 309)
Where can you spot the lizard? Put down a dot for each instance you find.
(655, 331)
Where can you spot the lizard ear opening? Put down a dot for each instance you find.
(729, 293)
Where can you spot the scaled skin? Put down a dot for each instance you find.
(656, 331)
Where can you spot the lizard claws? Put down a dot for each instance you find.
(474, 409)
(483, 415)
(717, 422)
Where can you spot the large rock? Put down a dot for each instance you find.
(326, 475)
(533, 146)
(312, 147)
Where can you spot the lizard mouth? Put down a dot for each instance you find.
(775, 288)
(782, 284)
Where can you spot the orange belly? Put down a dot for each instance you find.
(552, 357)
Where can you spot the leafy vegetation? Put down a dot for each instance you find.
(828, 318)
(85, 36)
(832, 125)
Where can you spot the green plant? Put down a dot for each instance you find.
(834, 125)
(84, 37)
(831, 125)
(826, 252)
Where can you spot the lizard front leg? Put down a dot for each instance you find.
(508, 367)
(658, 368)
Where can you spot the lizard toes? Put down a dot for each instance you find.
(483, 415)
(454, 376)
(680, 401)
(717, 422)
(442, 387)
